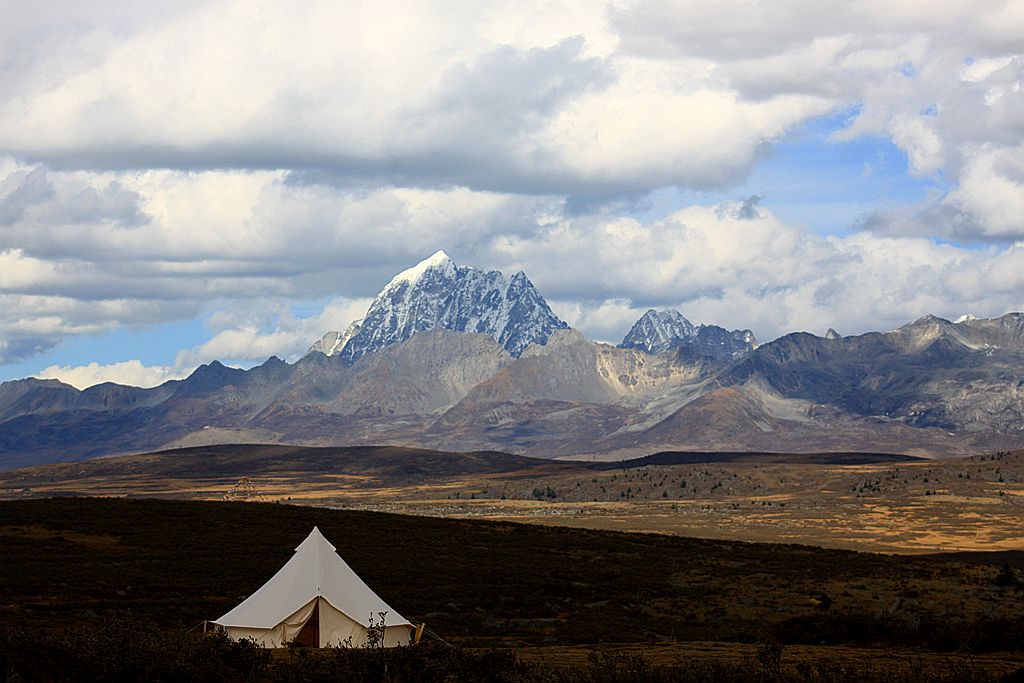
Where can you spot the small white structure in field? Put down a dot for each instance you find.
(315, 600)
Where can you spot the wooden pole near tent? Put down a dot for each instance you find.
(203, 624)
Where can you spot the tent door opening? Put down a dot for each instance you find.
(309, 635)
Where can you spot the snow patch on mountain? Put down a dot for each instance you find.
(333, 342)
(439, 259)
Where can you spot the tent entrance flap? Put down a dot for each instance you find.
(309, 635)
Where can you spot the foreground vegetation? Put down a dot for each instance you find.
(108, 587)
(130, 649)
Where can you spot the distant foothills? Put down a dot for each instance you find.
(457, 358)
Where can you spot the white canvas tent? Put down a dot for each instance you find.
(317, 600)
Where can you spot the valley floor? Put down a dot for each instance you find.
(914, 506)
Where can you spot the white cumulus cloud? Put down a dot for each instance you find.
(229, 161)
(129, 372)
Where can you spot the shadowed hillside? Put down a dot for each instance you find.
(394, 462)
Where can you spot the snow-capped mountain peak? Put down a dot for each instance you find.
(439, 260)
(437, 292)
(659, 331)
(656, 331)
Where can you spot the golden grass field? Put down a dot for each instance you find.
(925, 506)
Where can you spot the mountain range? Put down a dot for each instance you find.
(453, 357)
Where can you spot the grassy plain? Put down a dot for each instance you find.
(555, 594)
(900, 506)
(150, 536)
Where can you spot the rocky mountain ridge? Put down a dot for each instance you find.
(441, 362)
(931, 387)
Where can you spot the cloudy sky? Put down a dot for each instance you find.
(188, 181)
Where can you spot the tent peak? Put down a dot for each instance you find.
(315, 541)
